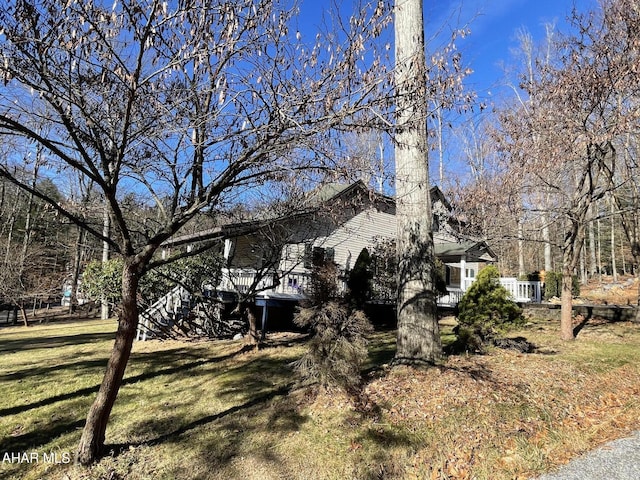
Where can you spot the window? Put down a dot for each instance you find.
(318, 256)
(435, 223)
(307, 258)
(315, 256)
(329, 254)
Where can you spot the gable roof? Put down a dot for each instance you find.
(333, 195)
(473, 251)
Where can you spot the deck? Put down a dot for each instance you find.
(295, 286)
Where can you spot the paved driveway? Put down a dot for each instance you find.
(617, 460)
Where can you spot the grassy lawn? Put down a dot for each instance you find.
(206, 410)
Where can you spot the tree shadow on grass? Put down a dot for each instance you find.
(247, 430)
(153, 426)
(52, 341)
(256, 375)
(128, 380)
(43, 435)
(43, 372)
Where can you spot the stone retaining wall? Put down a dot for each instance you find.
(613, 313)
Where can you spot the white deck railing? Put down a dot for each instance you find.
(290, 283)
(522, 291)
(242, 281)
(451, 299)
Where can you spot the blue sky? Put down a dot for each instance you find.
(494, 25)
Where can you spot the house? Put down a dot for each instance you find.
(340, 222)
(270, 261)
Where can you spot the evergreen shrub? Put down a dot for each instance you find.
(485, 312)
(553, 285)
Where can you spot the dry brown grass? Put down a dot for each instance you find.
(605, 291)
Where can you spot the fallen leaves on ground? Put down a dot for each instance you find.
(505, 414)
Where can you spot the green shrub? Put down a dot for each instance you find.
(485, 311)
(103, 280)
(553, 285)
(359, 283)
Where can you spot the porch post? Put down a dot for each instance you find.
(265, 315)
(463, 274)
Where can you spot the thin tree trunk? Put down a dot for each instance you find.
(583, 267)
(253, 338)
(28, 222)
(76, 270)
(23, 313)
(106, 230)
(599, 255)
(566, 304)
(572, 248)
(546, 236)
(93, 436)
(418, 338)
(12, 224)
(614, 267)
(622, 256)
(593, 263)
(521, 268)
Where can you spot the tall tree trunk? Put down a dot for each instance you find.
(546, 237)
(570, 257)
(253, 339)
(583, 266)
(566, 304)
(11, 225)
(93, 436)
(418, 338)
(599, 251)
(23, 313)
(521, 268)
(622, 256)
(28, 221)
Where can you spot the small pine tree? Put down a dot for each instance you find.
(338, 346)
(485, 311)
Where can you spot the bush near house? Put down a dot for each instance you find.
(485, 312)
(359, 283)
(553, 285)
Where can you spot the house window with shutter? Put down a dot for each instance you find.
(329, 254)
(435, 223)
(318, 256)
(315, 256)
(308, 257)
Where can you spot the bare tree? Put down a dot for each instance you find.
(186, 106)
(577, 119)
